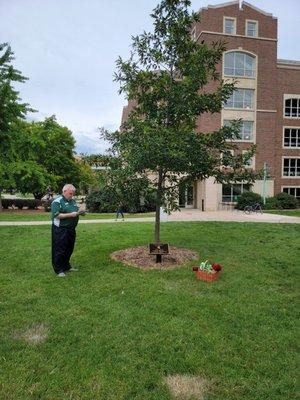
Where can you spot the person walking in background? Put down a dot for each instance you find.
(120, 212)
(65, 215)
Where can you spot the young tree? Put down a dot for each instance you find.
(165, 77)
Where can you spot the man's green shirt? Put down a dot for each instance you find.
(64, 206)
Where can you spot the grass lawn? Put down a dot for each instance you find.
(28, 215)
(291, 213)
(116, 333)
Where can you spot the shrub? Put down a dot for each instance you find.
(106, 200)
(31, 204)
(6, 203)
(271, 204)
(247, 199)
(286, 200)
(101, 201)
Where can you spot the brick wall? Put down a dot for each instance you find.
(211, 19)
(288, 82)
(272, 83)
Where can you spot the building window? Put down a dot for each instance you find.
(251, 28)
(241, 98)
(193, 34)
(246, 131)
(291, 138)
(250, 162)
(230, 193)
(293, 191)
(291, 167)
(292, 108)
(230, 26)
(237, 63)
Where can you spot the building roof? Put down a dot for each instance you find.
(257, 9)
(240, 4)
(288, 64)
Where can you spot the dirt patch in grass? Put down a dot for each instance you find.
(34, 335)
(186, 387)
(139, 257)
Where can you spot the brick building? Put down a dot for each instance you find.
(267, 99)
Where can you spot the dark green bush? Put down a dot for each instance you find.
(286, 201)
(271, 204)
(247, 199)
(31, 204)
(101, 201)
(6, 203)
(107, 200)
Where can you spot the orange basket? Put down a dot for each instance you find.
(207, 276)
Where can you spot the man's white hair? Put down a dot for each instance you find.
(69, 186)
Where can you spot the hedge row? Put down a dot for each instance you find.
(31, 204)
(106, 201)
(281, 201)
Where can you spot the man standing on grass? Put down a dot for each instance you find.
(65, 215)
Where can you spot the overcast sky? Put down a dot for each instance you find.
(68, 49)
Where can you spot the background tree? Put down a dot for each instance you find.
(58, 155)
(46, 158)
(11, 109)
(33, 155)
(87, 177)
(166, 77)
(99, 163)
(114, 185)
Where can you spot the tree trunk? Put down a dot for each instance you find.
(157, 223)
(158, 204)
(1, 208)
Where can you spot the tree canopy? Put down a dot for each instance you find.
(166, 78)
(45, 157)
(33, 155)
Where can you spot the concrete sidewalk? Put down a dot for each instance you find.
(230, 216)
(184, 215)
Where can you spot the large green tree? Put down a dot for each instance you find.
(33, 155)
(58, 154)
(46, 158)
(166, 77)
(11, 110)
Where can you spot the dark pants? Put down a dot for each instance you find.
(63, 241)
(119, 212)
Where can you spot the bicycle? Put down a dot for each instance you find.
(257, 208)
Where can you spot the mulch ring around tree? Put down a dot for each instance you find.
(139, 257)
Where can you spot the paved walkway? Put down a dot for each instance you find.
(184, 215)
(230, 216)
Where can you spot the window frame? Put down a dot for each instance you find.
(297, 166)
(292, 187)
(232, 200)
(297, 137)
(244, 53)
(194, 34)
(224, 25)
(291, 97)
(252, 108)
(246, 27)
(242, 139)
(252, 161)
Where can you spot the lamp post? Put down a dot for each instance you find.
(264, 188)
